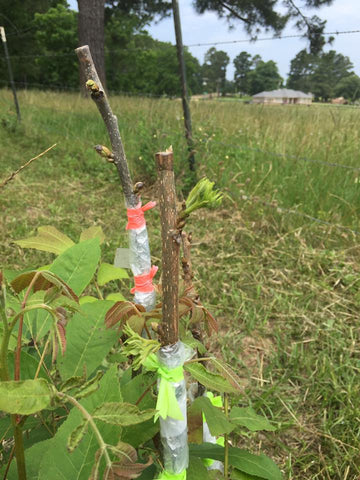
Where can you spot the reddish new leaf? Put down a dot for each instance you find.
(119, 313)
(125, 471)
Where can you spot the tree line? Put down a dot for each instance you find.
(42, 35)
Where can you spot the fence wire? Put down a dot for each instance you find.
(246, 198)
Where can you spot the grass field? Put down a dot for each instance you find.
(285, 288)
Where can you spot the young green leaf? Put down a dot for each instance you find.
(246, 417)
(48, 239)
(77, 265)
(238, 475)
(77, 435)
(88, 341)
(208, 379)
(87, 299)
(92, 232)
(122, 414)
(227, 372)
(258, 465)
(108, 272)
(25, 397)
(45, 280)
(217, 422)
(57, 464)
(116, 297)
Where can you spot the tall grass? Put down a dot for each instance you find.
(285, 289)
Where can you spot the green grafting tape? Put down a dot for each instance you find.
(165, 475)
(217, 402)
(166, 405)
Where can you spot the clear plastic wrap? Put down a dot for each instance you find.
(207, 437)
(174, 432)
(140, 261)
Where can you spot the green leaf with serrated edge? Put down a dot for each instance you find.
(208, 379)
(217, 422)
(136, 323)
(77, 435)
(71, 383)
(258, 465)
(108, 272)
(89, 387)
(138, 390)
(87, 299)
(45, 279)
(92, 232)
(190, 341)
(227, 372)
(115, 297)
(238, 475)
(48, 239)
(77, 265)
(58, 464)
(25, 397)
(117, 358)
(123, 414)
(246, 417)
(196, 470)
(88, 340)
(34, 455)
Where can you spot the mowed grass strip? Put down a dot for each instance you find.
(285, 290)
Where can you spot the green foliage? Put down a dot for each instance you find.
(214, 70)
(319, 74)
(77, 265)
(246, 417)
(348, 87)
(108, 272)
(25, 397)
(88, 341)
(210, 380)
(258, 465)
(203, 195)
(122, 414)
(215, 418)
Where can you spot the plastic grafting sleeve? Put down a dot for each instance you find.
(174, 432)
(207, 437)
(140, 260)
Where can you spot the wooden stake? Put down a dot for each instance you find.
(170, 248)
(11, 78)
(184, 89)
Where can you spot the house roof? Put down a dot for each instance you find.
(283, 93)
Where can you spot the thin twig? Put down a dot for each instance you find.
(99, 96)
(24, 166)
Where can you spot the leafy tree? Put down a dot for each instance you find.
(348, 87)
(214, 69)
(268, 14)
(55, 36)
(265, 76)
(18, 19)
(243, 64)
(319, 74)
(331, 68)
(265, 13)
(301, 71)
(147, 65)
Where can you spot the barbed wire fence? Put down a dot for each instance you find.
(242, 147)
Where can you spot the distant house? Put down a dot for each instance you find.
(283, 96)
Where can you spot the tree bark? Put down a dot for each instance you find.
(91, 32)
(170, 248)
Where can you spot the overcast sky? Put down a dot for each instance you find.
(207, 28)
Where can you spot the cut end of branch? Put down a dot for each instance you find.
(165, 160)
